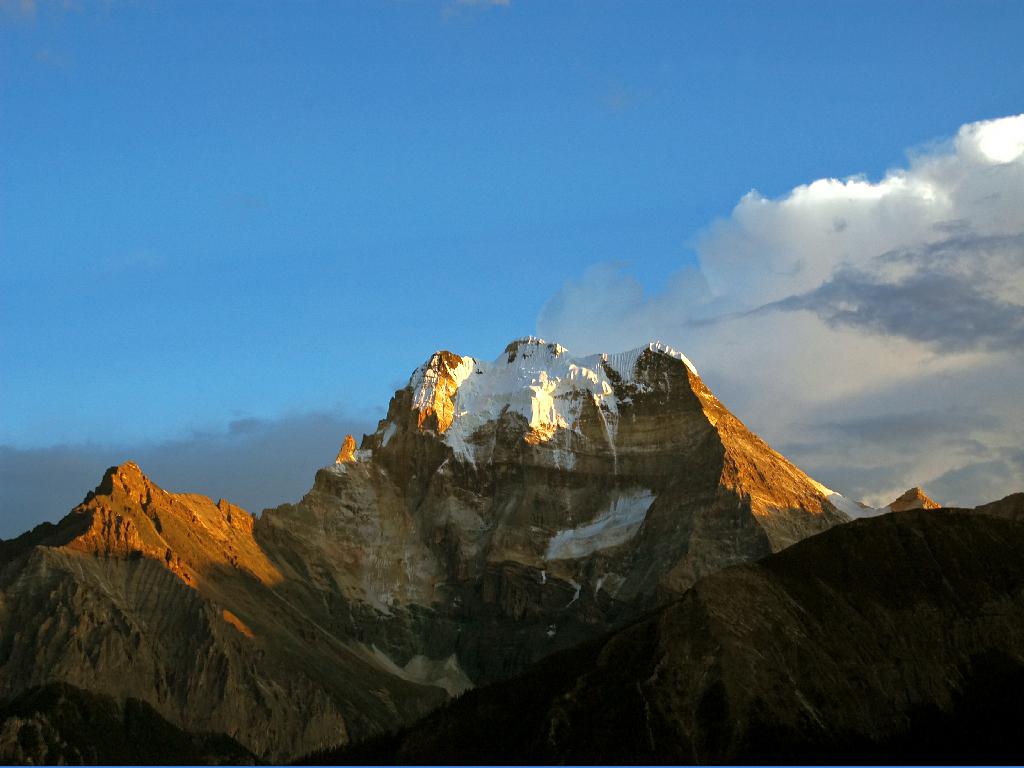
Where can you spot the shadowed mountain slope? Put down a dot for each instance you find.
(1009, 508)
(63, 725)
(897, 638)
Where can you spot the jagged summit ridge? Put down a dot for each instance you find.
(513, 347)
(455, 395)
(634, 423)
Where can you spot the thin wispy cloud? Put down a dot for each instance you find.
(618, 97)
(52, 59)
(30, 9)
(23, 9)
(455, 7)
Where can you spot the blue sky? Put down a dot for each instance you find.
(226, 211)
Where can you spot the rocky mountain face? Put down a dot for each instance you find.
(898, 638)
(505, 510)
(501, 512)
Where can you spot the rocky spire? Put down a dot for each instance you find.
(347, 453)
(915, 498)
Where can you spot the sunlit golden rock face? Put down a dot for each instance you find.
(782, 497)
(347, 453)
(915, 498)
(541, 434)
(237, 623)
(436, 395)
(130, 516)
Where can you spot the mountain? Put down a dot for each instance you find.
(1010, 507)
(504, 510)
(170, 600)
(915, 498)
(897, 638)
(501, 512)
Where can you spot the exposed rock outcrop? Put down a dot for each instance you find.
(914, 498)
(347, 453)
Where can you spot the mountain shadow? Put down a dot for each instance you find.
(62, 725)
(892, 639)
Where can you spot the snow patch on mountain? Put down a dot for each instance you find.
(853, 509)
(610, 528)
(444, 673)
(389, 432)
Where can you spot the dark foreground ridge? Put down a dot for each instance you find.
(59, 724)
(893, 639)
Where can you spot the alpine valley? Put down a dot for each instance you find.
(544, 558)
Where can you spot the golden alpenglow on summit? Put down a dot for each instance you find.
(440, 379)
(347, 453)
(493, 382)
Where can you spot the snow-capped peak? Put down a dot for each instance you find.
(625, 362)
(657, 346)
(519, 346)
(532, 377)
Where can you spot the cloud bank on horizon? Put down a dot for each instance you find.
(255, 463)
(873, 331)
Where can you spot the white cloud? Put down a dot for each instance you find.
(999, 141)
(852, 299)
